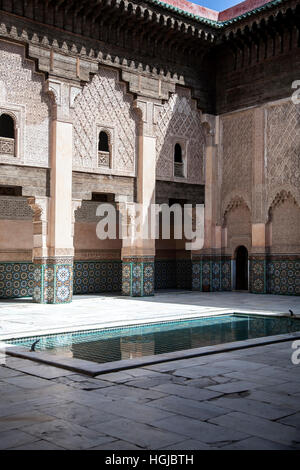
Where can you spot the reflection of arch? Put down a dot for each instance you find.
(241, 268)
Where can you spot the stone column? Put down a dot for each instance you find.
(258, 254)
(206, 263)
(138, 252)
(54, 255)
(42, 277)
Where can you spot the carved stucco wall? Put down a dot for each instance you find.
(21, 93)
(282, 150)
(179, 120)
(237, 148)
(16, 229)
(238, 222)
(87, 244)
(285, 218)
(103, 103)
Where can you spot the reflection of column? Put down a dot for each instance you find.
(131, 348)
(138, 255)
(258, 255)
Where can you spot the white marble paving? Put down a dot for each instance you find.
(22, 317)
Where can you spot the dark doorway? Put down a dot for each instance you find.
(241, 268)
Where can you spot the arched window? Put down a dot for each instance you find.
(177, 153)
(7, 135)
(104, 149)
(178, 161)
(103, 145)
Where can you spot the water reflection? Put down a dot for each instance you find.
(129, 343)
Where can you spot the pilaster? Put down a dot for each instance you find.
(138, 249)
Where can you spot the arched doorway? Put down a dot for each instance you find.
(241, 258)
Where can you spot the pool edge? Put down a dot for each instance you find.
(93, 369)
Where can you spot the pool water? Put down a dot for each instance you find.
(116, 344)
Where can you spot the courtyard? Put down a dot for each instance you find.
(242, 399)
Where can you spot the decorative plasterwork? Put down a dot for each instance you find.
(23, 95)
(179, 120)
(236, 153)
(282, 149)
(15, 208)
(232, 203)
(280, 198)
(104, 103)
(17, 112)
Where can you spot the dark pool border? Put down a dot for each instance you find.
(93, 369)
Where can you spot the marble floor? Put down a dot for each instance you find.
(21, 317)
(245, 399)
(241, 399)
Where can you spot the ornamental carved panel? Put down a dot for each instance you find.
(104, 103)
(283, 148)
(15, 208)
(23, 89)
(237, 148)
(180, 119)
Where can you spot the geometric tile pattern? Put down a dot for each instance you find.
(216, 270)
(91, 277)
(226, 275)
(184, 274)
(206, 276)
(283, 276)
(173, 274)
(165, 274)
(197, 275)
(211, 275)
(16, 280)
(257, 275)
(138, 278)
(53, 283)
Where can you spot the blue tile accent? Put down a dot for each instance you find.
(138, 278)
(16, 279)
(283, 276)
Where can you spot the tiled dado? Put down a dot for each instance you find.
(211, 274)
(165, 274)
(275, 275)
(173, 274)
(16, 279)
(283, 276)
(91, 277)
(138, 277)
(257, 275)
(53, 281)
